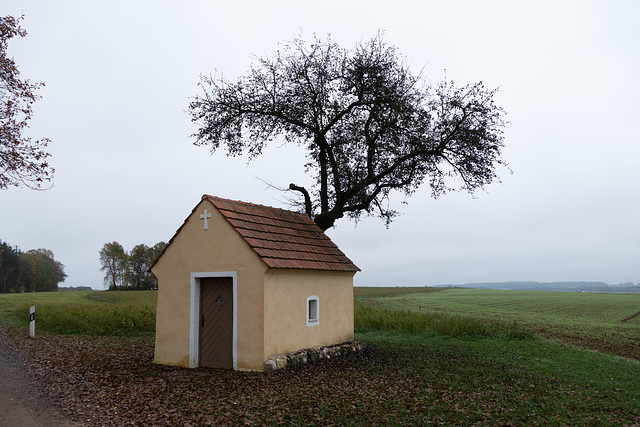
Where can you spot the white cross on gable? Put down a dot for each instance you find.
(205, 216)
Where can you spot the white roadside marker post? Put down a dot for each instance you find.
(32, 321)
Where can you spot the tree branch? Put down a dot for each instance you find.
(307, 198)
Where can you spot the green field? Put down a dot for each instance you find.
(90, 312)
(598, 321)
(595, 321)
(553, 308)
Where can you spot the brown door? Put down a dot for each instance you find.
(216, 322)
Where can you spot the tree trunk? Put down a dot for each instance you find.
(307, 198)
(324, 182)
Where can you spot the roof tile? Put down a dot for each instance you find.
(283, 239)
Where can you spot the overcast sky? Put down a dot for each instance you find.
(119, 76)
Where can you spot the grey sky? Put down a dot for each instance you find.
(119, 75)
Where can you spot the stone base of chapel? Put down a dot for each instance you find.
(279, 361)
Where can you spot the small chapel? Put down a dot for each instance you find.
(240, 282)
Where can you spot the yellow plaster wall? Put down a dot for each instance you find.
(194, 249)
(285, 308)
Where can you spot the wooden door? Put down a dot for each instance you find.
(216, 322)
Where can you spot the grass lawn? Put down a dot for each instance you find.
(508, 381)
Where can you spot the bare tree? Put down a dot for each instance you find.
(369, 125)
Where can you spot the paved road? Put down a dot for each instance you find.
(21, 402)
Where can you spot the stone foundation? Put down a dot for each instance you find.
(279, 361)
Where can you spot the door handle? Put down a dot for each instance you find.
(202, 321)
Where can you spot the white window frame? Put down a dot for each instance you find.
(316, 321)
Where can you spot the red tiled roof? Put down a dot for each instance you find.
(281, 238)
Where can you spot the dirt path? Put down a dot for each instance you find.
(21, 401)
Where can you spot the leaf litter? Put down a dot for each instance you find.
(109, 381)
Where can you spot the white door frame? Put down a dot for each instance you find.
(194, 321)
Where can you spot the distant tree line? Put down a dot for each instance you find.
(628, 287)
(129, 270)
(34, 270)
(75, 288)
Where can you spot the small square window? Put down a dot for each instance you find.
(313, 311)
